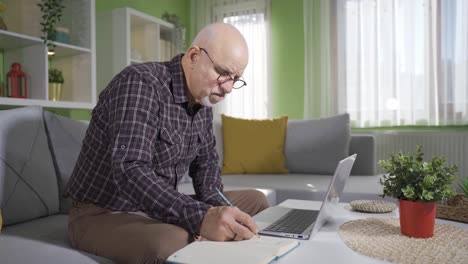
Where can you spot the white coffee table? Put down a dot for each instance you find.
(326, 246)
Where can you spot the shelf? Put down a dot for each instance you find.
(44, 103)
(138, 18)
(77, 60)
(121, 34)
(11, 40)
(64, 50)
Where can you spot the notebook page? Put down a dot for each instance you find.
(254, 251)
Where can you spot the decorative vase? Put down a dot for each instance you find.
(55, 91)
(16, 82)
(417, 219)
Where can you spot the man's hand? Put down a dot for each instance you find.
(227, 223)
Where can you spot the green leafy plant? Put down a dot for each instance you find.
(51, 14)
(179, 37)
(464, 186)
(173, 18)
(55, 76)
(411, 178)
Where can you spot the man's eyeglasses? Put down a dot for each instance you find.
(225, 76)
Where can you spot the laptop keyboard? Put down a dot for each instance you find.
(295, 221)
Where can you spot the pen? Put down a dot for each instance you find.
(224, 198)
(229, 203)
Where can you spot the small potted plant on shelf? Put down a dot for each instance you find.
(55, 84)
(51, 15)
(418, 185)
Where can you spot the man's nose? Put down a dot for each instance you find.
(227, 86)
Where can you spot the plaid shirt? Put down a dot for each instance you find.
(142, 138)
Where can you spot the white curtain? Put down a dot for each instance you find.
(394, 62)
(251, 18)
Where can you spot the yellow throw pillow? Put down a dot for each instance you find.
(254, 146)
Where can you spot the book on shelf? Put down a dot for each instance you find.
(254, 251)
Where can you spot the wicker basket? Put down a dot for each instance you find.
(455, 209)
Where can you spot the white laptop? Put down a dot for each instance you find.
(303, 224)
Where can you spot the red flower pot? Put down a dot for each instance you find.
(417, 219)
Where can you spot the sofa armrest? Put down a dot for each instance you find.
(364, 146)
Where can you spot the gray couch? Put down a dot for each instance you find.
(313, 149)
(38, 150)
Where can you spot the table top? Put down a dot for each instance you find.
(326, 246)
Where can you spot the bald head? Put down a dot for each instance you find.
(221, 37)
(215, 60)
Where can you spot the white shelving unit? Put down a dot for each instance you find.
(123, 33)
(77, 60)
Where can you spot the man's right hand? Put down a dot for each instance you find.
(227, 223)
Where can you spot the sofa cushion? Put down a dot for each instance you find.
(364, 146)
(65, 137)
(254, 146)
(316, 146)
(28, 183)
(43, 240)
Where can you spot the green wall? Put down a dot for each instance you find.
(287, 46)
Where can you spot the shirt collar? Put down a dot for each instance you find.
(179, 85)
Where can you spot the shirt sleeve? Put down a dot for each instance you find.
(204, 170)
(133, 132)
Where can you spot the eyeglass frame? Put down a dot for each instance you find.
(244, 83)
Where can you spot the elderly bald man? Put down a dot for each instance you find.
(152, 124)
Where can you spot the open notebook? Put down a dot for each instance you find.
(254, 251)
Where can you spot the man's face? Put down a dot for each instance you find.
(213, 80)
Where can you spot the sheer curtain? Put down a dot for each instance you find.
(251, 18)
(396, 62)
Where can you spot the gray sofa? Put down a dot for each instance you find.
(38, 150)
(320, 143)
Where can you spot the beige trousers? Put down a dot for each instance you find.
(134, 237)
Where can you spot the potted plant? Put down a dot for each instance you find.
(418, 185)
(51, 14)
(179, 37)
(55, 84)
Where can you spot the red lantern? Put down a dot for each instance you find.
(16, 82)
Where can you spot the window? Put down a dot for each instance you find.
(405, 62)
(251, 101)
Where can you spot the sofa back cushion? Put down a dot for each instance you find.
(315, 146)
(65, 138)
(254, 146)
(28, 183)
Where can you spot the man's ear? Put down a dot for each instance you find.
(194, 54)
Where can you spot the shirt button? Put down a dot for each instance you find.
(122, 146)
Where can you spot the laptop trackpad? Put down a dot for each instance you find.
(270, 215)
